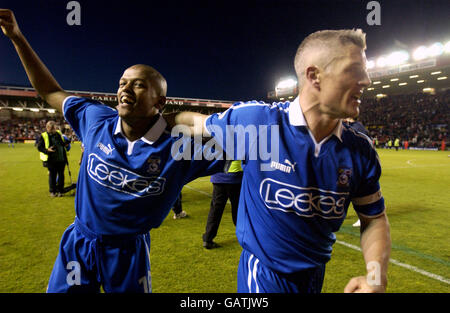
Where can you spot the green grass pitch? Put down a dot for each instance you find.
(415, 184)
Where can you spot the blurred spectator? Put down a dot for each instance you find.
(53, 155)
(177, 209)
(226, 186)
(11, 141)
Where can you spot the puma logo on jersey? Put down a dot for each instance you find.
(290, 164)
(283, 167)
(106, 149)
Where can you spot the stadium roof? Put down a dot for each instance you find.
(428, 75)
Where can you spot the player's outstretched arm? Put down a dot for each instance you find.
(38, 74)
(376, 248)
(194, 121)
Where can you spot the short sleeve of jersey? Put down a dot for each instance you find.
(82, 113)
(236, 129)
(368, 200)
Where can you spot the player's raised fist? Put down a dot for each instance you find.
(8, 23)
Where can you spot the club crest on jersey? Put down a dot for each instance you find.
(153, 165)
(344, 177)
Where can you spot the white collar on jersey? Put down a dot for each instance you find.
(296, 118)
(152, 134)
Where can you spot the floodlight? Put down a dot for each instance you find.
(286, 83)
(397, 58)
(420, 53)
(51, 111)
(381, 62)
(370, 64)
(435, 49)
(447, 47)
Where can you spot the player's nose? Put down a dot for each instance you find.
(365, 80)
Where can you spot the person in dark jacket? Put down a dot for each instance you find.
(51, 146)
(226, 186)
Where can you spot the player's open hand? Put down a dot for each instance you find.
(361, 285)
(8, 23)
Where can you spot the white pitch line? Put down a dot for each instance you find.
(198, 190)
(203, 192)
(409, 162)
(393, 261)
(404, 265)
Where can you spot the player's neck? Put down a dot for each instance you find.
(321, 125)
(133, 129)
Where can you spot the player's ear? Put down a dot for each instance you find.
(161, 103)
(313, 76)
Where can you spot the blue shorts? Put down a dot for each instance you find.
(87, 261)
(254, 277)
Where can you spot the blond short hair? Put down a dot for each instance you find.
(322, 47)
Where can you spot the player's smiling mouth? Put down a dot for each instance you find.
(357, 97)
(126, 99)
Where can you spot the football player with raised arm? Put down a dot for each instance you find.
(129, 178)
(291, 204)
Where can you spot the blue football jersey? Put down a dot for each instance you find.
(128, 187)
(295, 192)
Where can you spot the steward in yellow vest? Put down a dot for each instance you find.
(44, 153)
(396, 143)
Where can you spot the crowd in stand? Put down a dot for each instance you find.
(421, 120)
(21, 129)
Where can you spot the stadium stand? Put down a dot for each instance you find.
(421, 119)
(29, 129)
